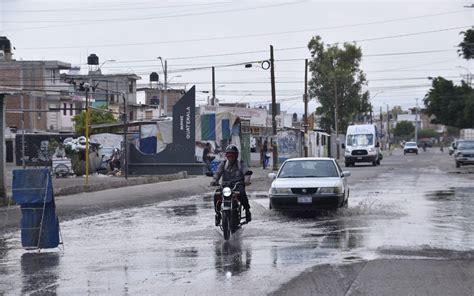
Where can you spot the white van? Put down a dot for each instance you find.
(362, 144)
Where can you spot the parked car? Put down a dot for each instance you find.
(309, 184)
(464, 154)
(410, 147)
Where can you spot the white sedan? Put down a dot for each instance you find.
(410, 147)
(309, 184)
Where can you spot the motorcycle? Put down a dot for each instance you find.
(230, 207)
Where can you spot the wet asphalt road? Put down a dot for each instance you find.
(415, 208)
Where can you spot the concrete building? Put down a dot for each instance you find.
(106, 90)
(155, 97)
(41, 89)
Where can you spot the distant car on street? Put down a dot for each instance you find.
(309, 184)
(410, 147)
(464, 154)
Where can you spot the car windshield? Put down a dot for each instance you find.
(308, 169)
(410, 144)
(360, 140)
(466, 145)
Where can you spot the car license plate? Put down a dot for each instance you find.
(359, 157)
(305, 199)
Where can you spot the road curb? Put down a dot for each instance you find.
(118, 184)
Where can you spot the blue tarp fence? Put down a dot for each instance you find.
(33, 190)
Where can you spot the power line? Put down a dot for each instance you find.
(108, 8)
(135, 19)
(236, 36)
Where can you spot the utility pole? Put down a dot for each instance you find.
(23, 161)
(213, 99)
(125, 130)
(388, 128)
(87, 135)
(335, 115)
(381, 127)
(166, 88)
(3, 191)
(274, 111)
(416, 122)
(305, 98)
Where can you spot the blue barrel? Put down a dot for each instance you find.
(33, 190)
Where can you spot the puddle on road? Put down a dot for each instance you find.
(173, 247)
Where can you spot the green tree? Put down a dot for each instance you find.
(466, 47)
(336, 71)
(427, 133)
(404, 130)
(96, 117)
(451, 104)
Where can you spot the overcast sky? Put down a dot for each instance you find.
(394, 36)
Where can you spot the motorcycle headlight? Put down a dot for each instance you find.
(276, 191)
(326, 190)
(226, 192)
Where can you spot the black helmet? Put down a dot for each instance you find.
(232, 149)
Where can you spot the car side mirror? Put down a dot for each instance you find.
(343, 146)
(272, 176)
(377, 145)
(346, 174)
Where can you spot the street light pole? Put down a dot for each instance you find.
(305, 98)
(274, 111)
(3, 191)
(416, 122)
(335, 116)
(213, 99)
(165, 96)
(165, 105)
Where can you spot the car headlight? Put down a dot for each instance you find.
(276, 191)
(371, 149)
(326, 190)
(226, 192)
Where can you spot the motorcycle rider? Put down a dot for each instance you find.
(233, 171)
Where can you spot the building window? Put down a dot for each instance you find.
(38, 106)
(130, 86)
(70, 109)
(148, 114)
(112, 98)
(64, 110)
(53, 76)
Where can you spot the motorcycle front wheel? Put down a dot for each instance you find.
(226, 224)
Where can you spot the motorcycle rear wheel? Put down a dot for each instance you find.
(226, 224)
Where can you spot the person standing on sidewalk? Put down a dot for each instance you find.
(206, 157)
(265, 157)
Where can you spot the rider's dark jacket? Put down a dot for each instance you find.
(231, 173)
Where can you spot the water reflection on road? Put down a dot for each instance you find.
(173, 248)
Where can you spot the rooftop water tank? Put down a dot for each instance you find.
(93, 59)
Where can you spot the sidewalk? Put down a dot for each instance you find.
(74, 185)
(96, 182)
